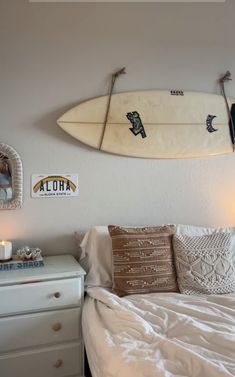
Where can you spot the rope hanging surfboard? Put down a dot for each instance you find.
(115, 75)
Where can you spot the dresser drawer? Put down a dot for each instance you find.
(41, 295)
(39, 329)
(48, 362)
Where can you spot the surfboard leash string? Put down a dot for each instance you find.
(227, 77)
(115, 75)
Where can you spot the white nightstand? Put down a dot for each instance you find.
(40, 320)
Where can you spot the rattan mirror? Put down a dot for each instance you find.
(11, 178)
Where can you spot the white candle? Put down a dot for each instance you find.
(5, 250)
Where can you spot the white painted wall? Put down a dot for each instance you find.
(53, 56)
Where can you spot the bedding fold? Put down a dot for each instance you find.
(159, 334)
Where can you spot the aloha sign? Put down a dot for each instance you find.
(54, 185)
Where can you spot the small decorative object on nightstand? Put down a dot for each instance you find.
(40, 320)
(28, 253)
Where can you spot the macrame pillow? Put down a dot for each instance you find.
(142, 260)
(204, 264)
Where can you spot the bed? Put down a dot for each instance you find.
(154, 334)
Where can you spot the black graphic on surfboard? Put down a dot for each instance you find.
(137, 125)
(177, 93)
(209, 125)
(232, 123)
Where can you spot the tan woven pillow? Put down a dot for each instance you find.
(204, 263)
(143, 260)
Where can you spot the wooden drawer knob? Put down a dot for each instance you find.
(58, 363)
(57, 326)
(57, 294)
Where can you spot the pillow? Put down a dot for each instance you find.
(96, 257)
(192, 230)
(142, 260)
(204, 263)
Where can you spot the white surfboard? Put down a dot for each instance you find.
(153, 124)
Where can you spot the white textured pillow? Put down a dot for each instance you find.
(204, 263)
(193, 230)
(96, 257)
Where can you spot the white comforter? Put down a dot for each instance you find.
(159, 334)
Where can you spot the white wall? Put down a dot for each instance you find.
(53, 56)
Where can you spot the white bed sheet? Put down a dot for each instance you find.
(159, 334)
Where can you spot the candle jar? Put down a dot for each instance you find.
(5, 251)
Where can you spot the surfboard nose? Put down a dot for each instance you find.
(85, 121)
(87, 132)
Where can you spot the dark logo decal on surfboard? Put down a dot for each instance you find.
(137, 126)
(232, 123)
(209, 125)
(177, 93)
